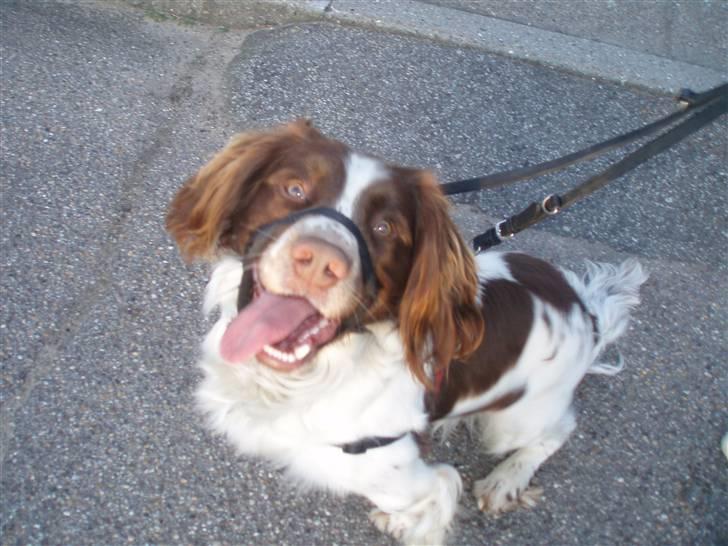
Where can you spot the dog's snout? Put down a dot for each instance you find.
(319, 263)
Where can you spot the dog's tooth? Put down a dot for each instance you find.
(298, 354)
(302, 351)
(275, 353)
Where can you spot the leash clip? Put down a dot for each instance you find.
(686, 98)
(499, 231)
(551, 204)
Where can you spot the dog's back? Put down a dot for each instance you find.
(545, 329)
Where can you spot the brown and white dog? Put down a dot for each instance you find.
(360, 318)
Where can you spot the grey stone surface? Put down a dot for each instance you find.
(692, 32)
(234, 13)
(573, 53)
(80, 104)
(99, 441)
(634, 43)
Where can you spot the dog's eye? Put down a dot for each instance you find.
(296, 191)
(382, 229)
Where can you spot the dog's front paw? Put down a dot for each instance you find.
(408, 528)
(497, 494)
(397, 525)
(427, 519)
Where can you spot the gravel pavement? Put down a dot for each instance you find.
(106, 109)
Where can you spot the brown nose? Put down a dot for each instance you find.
(318, 263)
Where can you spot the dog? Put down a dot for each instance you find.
(353, 317)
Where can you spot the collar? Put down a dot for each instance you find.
(371, 442)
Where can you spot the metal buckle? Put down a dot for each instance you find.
(556, 206)
(499, 233)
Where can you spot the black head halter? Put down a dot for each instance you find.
(369, 276)
(367, 266)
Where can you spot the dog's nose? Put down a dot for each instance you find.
(318, 263)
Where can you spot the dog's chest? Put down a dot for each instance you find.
(357, 389)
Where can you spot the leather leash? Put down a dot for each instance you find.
(709, 105)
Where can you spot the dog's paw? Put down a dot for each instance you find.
(497, 496)
(428, 519)
(396, 525)
(411, 529)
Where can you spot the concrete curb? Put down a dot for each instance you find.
(236, 13)
(573, 54)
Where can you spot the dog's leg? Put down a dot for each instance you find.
(506, 487)
(416, 502)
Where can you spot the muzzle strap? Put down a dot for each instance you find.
(367, 266)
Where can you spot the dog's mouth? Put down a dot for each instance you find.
(283, 332)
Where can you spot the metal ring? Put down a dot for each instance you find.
(556, 205)
(686, 98)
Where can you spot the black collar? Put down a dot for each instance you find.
(365, 444)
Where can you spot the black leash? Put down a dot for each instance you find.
(709, 106)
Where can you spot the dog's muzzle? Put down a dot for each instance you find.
(369, 277)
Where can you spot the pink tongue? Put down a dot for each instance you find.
(266, 320)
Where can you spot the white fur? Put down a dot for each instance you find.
(359, 386)
(609, 291)
(361, 172)
(491, 267)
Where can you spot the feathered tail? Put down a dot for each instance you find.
(609, 292)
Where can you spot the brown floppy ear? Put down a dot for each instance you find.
(439, 316)
(202, 210)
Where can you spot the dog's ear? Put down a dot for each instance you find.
(204, 208)
(439, 316)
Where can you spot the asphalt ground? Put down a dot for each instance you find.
(106, 110)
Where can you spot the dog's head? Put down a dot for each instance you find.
(388, 251)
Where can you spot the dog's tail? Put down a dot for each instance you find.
(609, 293)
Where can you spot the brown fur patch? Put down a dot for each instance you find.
(390, 201)
(439, 300)
(544, 280)
(507, 311)
(244, 185)
(504, 401)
